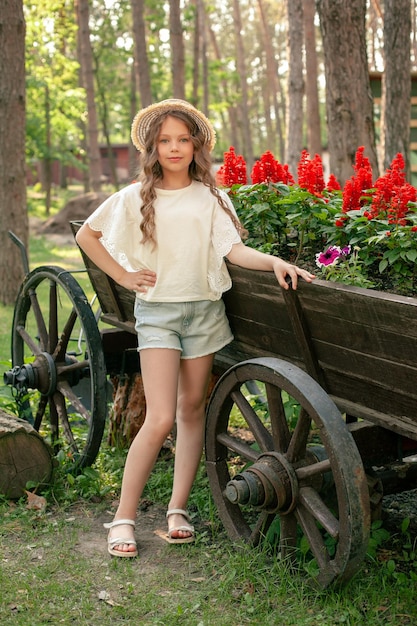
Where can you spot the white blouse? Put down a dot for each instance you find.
(193, 234)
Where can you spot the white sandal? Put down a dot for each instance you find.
(121, 541)
(185, 527)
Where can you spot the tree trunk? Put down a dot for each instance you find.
(312, 92)
(349, 103)
(204, 63)
(241, 70)
(274, 131)
(294, 137)
(47, 182)
(133, 153)
(86, 65)
(177, 50)
(105, 124)
(24, 456)
(396, 82)
(196, 51)
(13, 213)
(231, 125)
(143, 80)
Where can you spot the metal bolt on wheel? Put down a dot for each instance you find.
(308, 474)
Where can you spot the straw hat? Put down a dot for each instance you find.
(145, 117)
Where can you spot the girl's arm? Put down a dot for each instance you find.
(255, 260)
(89, 241)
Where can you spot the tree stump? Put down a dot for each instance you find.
(128, 411)
(129, 408)
(24, 456)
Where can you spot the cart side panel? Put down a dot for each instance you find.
(366, 345)
(258, 316)
(360, 344)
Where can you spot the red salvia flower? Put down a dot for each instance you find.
(333, 184)
(268, 170)
(392, 194)
(310, 173)
(233, 170)
(285, 175)
(356, 187)
(264, 170)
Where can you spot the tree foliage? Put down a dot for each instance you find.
(230, 58)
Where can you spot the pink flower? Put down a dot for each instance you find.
(328, 257)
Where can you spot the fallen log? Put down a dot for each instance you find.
(24, 456)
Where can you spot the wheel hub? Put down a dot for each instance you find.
(40, 375)
(270, 484)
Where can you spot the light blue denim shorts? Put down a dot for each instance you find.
(195, 328)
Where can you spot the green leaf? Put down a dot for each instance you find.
(411, 255)
(383, 265)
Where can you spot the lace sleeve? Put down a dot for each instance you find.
(224, 236)
(119, 229)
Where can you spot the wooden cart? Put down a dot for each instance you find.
(312, 420)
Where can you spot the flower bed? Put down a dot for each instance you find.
(364, 234)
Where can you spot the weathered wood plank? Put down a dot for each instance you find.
(364, 342)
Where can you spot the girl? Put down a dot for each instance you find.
(166, 238)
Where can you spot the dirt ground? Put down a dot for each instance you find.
(153, 550)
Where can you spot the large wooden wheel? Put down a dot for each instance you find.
(298, 477)
(58, 370)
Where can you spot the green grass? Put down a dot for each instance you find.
(53, 572)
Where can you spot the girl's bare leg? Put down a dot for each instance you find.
(160, 371)
(192, 391)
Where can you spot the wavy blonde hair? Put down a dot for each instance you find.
(150, 173)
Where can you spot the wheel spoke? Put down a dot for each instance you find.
(288, 537)
(314, 537)
(280, 431)
(315, 505)
(40, 412)
(72, 367)
(68, 393)
(33, 347)
(40, 322)
(308, 471)
(63, 418)
(53, 317)
(298, 443)
(239, 447)
(53, 420)
(62, 344)
(261, 434)
(261, 527)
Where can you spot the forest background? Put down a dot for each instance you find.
(272, 75)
